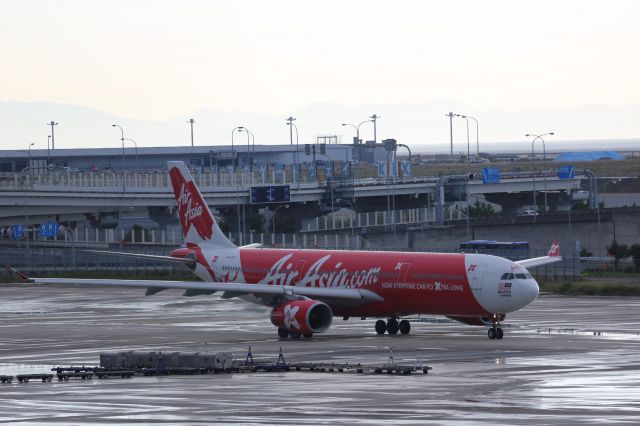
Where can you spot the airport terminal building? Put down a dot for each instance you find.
(204, 158)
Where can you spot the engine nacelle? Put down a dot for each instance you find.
(302, 316)
(478, 320)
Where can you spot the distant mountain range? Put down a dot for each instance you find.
(423, 125)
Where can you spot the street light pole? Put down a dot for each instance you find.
(48, 152)
(26, 215)
(374, 118)
(29, 164)
(466, 118)
(290, 120)
(248, 149)
(191, 122)
(233, 159)
(330, 183)
(238, 128)
(136, 147)
(466, 186)
(544, 161)
(122, 139)
(53, 140)
(357, 128)
(450, 115)
(124, 177)
(468, 174)
(477, 139)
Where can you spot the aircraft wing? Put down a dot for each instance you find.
(229, 289)
(552, 256)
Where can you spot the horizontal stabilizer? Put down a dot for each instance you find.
(184, 260)
(17, 274)
(252, 245)
(553, 256)
(538, 261)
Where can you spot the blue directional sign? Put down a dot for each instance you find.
(565, 172)
(405, 168)
(17, 232)
(328, 169)
(346, 168)
(490, 175)
(312, 171)
(270, 194)
(49, 230)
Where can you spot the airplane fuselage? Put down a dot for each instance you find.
(451, 284)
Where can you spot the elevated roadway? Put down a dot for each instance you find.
(68, 193)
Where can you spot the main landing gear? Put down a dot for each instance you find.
(392, 326)
(495, 332)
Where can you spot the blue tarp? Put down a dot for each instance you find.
(588, 156)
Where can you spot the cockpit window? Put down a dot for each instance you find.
(506, 276)
(526, 276)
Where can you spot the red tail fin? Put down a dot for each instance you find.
(554, 250)
(198, 224)
(19, 275)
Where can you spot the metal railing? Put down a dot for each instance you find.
(159, 180)
(425, 215)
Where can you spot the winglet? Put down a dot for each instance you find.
(554, 251)
(22, 277)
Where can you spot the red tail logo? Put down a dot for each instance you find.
(554, 250)
(191, 206)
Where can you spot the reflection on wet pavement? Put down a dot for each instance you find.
(550, 368)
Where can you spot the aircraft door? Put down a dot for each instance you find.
(475, 273)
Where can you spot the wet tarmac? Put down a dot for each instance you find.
(562, 361)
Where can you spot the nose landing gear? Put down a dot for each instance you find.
(495, 332)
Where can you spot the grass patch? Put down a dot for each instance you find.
(591, 288)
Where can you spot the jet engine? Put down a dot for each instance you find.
(478, 320)
(302, 317)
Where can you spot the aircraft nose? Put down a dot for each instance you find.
(528, 292)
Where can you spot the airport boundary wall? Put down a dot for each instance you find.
(574, 233)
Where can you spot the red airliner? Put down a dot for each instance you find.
(307, 288)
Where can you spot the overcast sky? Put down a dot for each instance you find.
(160, 59)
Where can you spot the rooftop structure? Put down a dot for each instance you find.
(213, 158)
